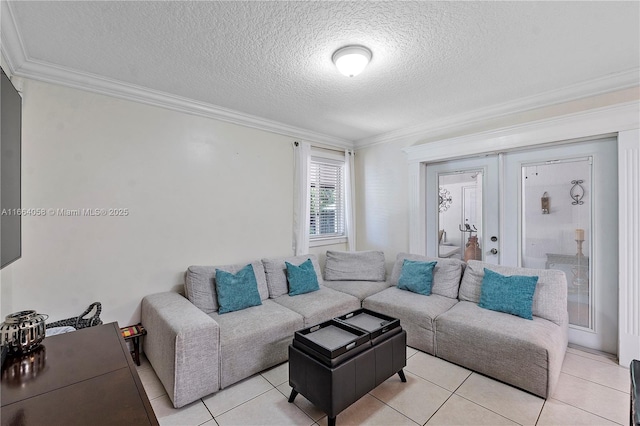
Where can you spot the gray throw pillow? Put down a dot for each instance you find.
(200, 285)
(549, 299)
(446, 274)
(276, 272)
(355, 266)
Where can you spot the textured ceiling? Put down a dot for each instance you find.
(272, 60)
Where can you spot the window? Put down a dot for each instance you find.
(326, 189)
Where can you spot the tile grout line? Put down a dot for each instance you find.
(591, 381)
(259, 395)
(212, 418)
(441, 405)
(160, 396)
(606, 361)
(209, 411)
(540, 413)
(448, 398)
(586, 411)
(489, 409)
(480, 405)
(241, 404)
(397, 411)
(433, 383)
(294, 404)
(463, 382)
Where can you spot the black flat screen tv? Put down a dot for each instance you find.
(10, 165)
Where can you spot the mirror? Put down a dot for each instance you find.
(460, 215)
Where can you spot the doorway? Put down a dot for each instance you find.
(528, 219)
(465, 219)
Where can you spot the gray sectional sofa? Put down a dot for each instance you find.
(196, 351)
(449, 324)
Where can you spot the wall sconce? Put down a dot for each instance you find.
(444, 199)
(577, 192)
(544, 201)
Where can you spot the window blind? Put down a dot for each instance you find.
(326, 183)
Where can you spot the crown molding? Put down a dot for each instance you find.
(16, 62)
(93, 83)
(11, 46)
(611, 83)
(21, 65)
(593, 122)
(84, 81)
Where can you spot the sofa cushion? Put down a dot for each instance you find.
(200, 287)
(415, 312)
(359, 289)
(237, 291)
(319, 306)
(254, 339)
(276, 272)
(511, 294)
(302, 279)
(354, 266)
(525, 354)
(416, 276)
(549, 299)
(446, 273)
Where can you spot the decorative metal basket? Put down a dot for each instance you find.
(23, 331)
(80, 321)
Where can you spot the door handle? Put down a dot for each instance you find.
(494, 251)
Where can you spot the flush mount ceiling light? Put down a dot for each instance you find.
(351, 60)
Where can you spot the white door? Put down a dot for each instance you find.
(463, 223)
(580, 239)
(578, 233)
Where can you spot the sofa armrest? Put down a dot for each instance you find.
(183, 346)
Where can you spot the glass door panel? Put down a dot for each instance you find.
(460, 215)
(553, 239)
(462, 209)
(556, 228)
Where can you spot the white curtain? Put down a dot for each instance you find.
(349, 195)
(301, 197)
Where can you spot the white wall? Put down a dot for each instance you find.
(198, 191)
(381, 199)
(382, 185)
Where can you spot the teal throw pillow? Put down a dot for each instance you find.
(509, 294)
(237, 291)
(302, 279)
(416, 276)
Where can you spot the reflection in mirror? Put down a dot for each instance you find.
(460, 215)
(556, 228)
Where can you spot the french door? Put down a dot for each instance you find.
(578, 234)
(550, 208)
(464, 222)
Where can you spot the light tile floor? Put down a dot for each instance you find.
(593, 390)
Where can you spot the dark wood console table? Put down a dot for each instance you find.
(85, 377)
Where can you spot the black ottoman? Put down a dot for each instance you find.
(333, 388)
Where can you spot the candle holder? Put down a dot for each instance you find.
(579, 243)
(580, 277)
